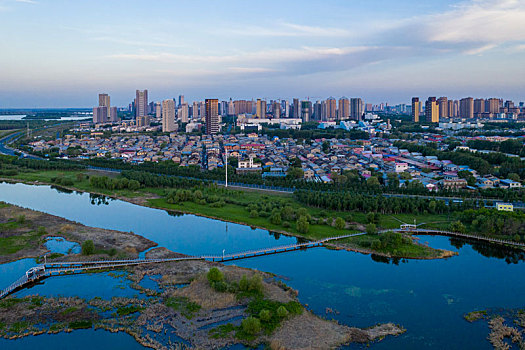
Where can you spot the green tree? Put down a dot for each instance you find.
(371, 229)
(457, 226)
(514, 177)
(265, 315)
(251, 325)
(88, 248)
(373, 182)
(215, 275)
(302, 224)
(275, 218)
(326, 147)
(295, 173)
(340, 223)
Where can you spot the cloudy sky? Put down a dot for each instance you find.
(62, 53)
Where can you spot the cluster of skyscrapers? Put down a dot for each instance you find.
(435, 110)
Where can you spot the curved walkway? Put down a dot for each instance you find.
(67, 267)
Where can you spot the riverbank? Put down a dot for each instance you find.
(238, 214)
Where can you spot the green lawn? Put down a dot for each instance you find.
(239, 214)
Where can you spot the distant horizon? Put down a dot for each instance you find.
(359, 48)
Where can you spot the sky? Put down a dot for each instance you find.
(62, 53)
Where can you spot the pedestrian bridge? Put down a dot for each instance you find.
(420, 231)
(51, 269)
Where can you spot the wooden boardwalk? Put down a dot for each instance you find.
(71, 267)
(460, 235)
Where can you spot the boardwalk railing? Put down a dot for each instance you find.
(70, 267)
(462, 235)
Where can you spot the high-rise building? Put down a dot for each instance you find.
(183, 113)
(181, 100)
(202, 109)
(195, 110)
(356, 108)
(317, 112)
(443, 107)
(141, 103)
(479, 107)
(285, 106)
(306, 111)
(260, 109)
(450, 109)
(212, 116)
(168, 115)
(416, 107)
(276, 109)
(231, 107)
(344, 109)
(466, 108)
(158, 110)
(331, 108)
(104, 113)
(104, 100)
(296, 108)
(431, 110)
(492, 105)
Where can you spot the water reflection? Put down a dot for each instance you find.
(97, 199)
(61, 189)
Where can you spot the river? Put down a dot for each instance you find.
(428, 297)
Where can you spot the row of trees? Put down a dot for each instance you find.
(348, 201)
(106, 183)
(38, 164)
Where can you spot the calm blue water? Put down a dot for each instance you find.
(79, 339)
(429, 298)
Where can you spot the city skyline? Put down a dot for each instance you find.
(369, 49)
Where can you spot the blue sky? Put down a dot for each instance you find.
(62, 53)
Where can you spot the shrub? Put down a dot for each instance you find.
(282, 312)
(215, 275)
(21, 219)
(244, 284)
(254, 214)
(340, 223)
(88, 247)
(286, 224)
(251, 325)
(41, 230)
(265, 315)
(220, 286)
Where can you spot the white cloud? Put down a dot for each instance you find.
(27, 1)
(484, 21)
(285, 29)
